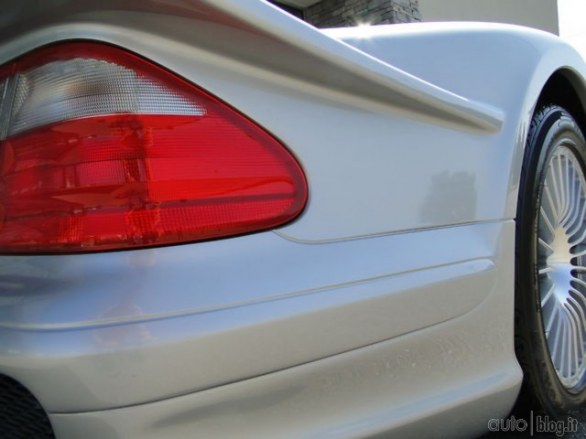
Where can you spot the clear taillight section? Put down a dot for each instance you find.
(101, 149)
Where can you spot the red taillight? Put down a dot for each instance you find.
(101, 149)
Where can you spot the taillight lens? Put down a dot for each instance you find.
(101, 149)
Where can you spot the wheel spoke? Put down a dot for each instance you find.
(569, 188)
(580, 239)
(578, 317)
(547, 221)
(552, 204)
(563, 193)
(546, 245)
(548, 295)
(556, 193)
(579, 222)
(551, 321)
(576, 336)
(579, 254)
(573, 214)
(578, 281)
(545, 270)
(556, 342)
(566, 345)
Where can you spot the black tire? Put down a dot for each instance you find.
(542, 388)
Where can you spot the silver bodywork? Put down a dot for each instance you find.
(386, 307)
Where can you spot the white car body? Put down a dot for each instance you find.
(386, 308)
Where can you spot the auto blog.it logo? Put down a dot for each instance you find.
(536, 424)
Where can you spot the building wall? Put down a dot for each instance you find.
(337, 13)
(540, 14)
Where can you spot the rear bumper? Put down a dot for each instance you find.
(159, 343)
(390, 389)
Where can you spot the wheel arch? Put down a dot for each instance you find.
(566, 89)
(553, 83)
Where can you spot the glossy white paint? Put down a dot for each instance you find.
(386, 305)
(252, 304)
(444, 381)
(502, 65)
